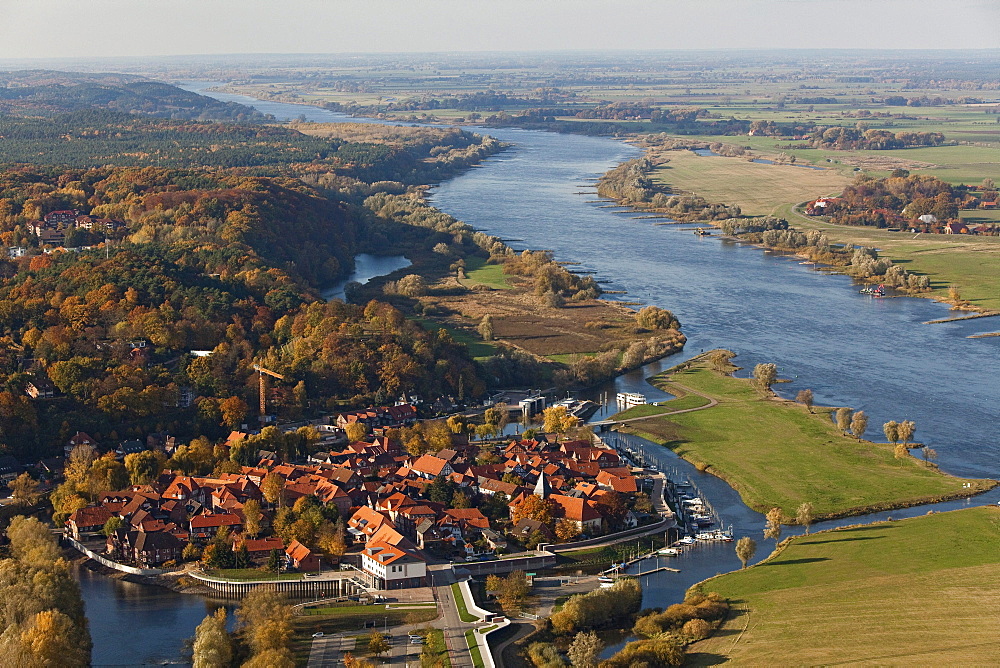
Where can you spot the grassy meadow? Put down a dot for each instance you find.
(776, 453)
(920, 591)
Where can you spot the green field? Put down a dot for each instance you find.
(479, 272)
(775, 453)
(478, 348)
(970, 262)
(921, 591)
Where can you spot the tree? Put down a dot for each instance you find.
(585, 650)
(112, 525)
(859, 422)
(278, 658)
(51, 640)
(764, 375)
(497, 416)
(900, 451)
(772, 527)
(24, 490)
(843, 416)
(804, 515)
(719, 360)
(460, 500)
(108, 474)
(441, 490)
(534, 508)
(377, 644)
(805, 397)
(234, 411)
(265, 618)
(654, 317)
(929, 454)
(566, 531)
(213, 648)
(906, 430)
(251, 517)
(746, 547)
(351, 662)
(142, 467)
(80, 460)
(273, 487)
(356, 431)
(557, 420)
(486, 327)
(891, 431)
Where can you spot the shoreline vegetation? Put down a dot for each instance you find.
(777, 453)
(861, 593)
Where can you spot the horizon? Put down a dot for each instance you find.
(52, 29)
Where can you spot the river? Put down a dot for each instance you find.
(849, 349)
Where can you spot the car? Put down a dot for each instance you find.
(416, 640)
(318, 634)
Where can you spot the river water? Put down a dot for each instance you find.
(851, 350)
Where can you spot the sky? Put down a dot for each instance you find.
(99, 28)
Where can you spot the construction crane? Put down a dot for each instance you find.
(263, 386)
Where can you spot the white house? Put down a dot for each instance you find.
(393, 567)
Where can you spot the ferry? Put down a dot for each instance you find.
(630, 399)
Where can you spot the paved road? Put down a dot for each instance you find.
(454, 629)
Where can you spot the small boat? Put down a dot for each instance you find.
(686, 540)
(702, 233)
(669, 551)
(724, 536)
(705, 535)
(606, 578)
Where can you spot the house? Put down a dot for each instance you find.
(40, 387)
(365, 522)
(259, 549)
(393, 567)
(87, 520)
(10, 468)
(956, 228)
(151, 549)
(429, 466)
(579, 511)
(206, 526)
(301, 557)
(525, 527)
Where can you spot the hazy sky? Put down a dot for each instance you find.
(88, 28)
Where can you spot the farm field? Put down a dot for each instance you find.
(921, 591)
(776, 453)
(758, 188)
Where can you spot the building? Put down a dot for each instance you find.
(393, 567)
(301, 557)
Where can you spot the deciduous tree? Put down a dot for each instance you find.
(906, 430)
(859, 423)
(486, 327)
(746, 547)
(805, 397)
(585, 650)
(142, 467)
(355, 431)
(377, 644)
(273, 487)
(764, 375)
(24, 490)
(213, 648)
(843, 416)
(534, 508)
(772, 526)
(251, 517)
(891, 431)
(804, 515)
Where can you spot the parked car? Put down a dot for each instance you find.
(318, 634)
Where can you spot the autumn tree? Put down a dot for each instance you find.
(213, 648)
(234, 411)
(805, 397)
(654, 317)
(355, 431)
(843, 416)
(142, 467)
(859, 423)
(497, 416)
(273, 487)
(377, 644)
(265, 620)
(24, 490)
(746, 547)
(772, 526)
(900, 451)
(929, 453)
(486, 327)
(585, 650)
(891, 431)
(719, 360)
(251, 517)
(50, 640)
(557, 420)
(804, 515)
(534, 508)
(566, 531)
(906, 430)
(764, 375)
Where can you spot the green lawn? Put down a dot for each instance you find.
(434, 649)
(477, 658)
(479, 272)
(775, 453)
(250, 574)
(921, 591)
(478, 348)
(463, 612)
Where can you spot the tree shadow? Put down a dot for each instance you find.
(841, 540)
(790, 562)
(704, 659)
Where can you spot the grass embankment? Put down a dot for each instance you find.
(477, 657)
(971, 263)
(250, 575)
(776, 453)
(463, 612)
(479, 272)
(921, 591)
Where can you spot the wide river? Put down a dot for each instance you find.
(851, 350)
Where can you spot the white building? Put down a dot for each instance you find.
(393, 567)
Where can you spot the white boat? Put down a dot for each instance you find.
(630, 399)
(669, 551)
(693, 502)
(686, 540)
(722, 535)
(705, 535)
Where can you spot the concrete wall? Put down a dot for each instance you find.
(112, 564)
(307, 587)
(498, 566)
(611, 538)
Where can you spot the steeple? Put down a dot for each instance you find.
(542, 487)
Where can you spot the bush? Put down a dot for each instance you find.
(664, 651)
(697, 629)
(598, 608)
(707, 608)
(545, 655)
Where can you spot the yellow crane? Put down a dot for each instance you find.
(263, 385)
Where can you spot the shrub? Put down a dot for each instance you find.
(664, 651)
(545, 655)
(599, 608)
(697, 629)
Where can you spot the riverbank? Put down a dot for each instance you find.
(775, 453)
(920, 590)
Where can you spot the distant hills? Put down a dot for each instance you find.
(48, 92)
